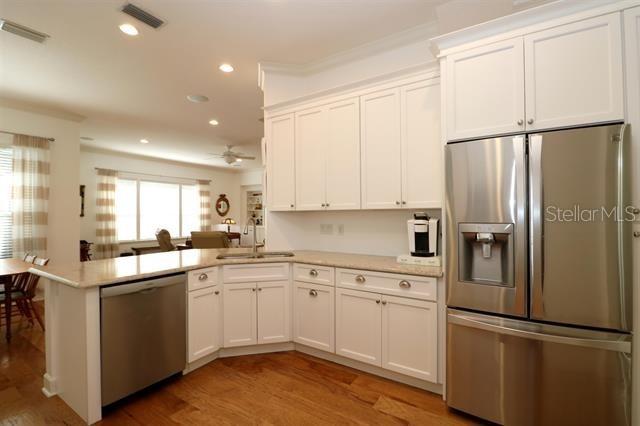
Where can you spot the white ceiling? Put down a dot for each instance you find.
(130, 88)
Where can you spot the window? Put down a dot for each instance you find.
(144, 206)
(6, 170)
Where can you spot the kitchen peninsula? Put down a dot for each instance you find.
(347, 308)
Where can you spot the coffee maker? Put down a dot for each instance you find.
(423, 235)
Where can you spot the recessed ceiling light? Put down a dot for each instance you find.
(144, 141)
(197, 98)
(239, 160)
(129, 29)
(225, 68)
(86, 138)
(213, 122)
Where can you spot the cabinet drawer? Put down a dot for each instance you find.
(255, 272)
(202, 278)
(393, 284)
(313, 274)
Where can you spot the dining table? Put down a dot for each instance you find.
(9, 270)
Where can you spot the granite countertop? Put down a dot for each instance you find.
(121, 269)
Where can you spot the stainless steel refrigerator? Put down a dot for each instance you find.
(538, 270)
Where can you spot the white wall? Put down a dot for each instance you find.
(379, 232)
(63, 231)
(222, 182)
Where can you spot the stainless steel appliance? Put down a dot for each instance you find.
(423, 233)
(143, 334)
(538, 277)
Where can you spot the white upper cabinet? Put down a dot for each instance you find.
(421, 145)
(381, 162)
(280, 162)
(343, 155)
(327, 149)
(568, 75)
(574, 74)
(485, 90)
(311, 139)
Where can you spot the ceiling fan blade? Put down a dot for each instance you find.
(245, 157)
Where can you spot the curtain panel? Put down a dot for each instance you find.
(106, 245)
(204, 191)
(30, 195)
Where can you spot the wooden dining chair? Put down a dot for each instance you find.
(23, 292)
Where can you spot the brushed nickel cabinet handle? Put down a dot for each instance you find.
(636, 234)
(313, 273)
(291, 206)
(404, 202)
(202, 277)
(384, 302)
(520, 122)
(253, 289)
(378, 302)
(397, 203)
(259, 288)
(216, 292)
(313, 293)
(530, 121)
(360, 279)
(404, 284)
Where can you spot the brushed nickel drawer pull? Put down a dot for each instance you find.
(313, 273)
(313, 293)
(360, 279)
(384, 302)
(202, 277)
(404, 284)
(378, 302)
(216, 292)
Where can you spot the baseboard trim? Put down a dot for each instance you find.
(372, 369)
(256, 349)
(49, 387)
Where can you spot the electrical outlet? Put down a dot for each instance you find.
(341, 229)
(326, 228)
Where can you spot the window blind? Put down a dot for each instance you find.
(6, 171)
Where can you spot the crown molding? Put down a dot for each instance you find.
(513, 25)
(415, 34)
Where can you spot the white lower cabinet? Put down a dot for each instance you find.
(410, 337)
(396, 333)
(358, 322)
(313, 315)
(256, 313)
(274, 324)
(240, 325)
(204, 322)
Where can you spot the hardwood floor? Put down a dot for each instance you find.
(287, 388)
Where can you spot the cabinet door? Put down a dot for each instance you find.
(632, 63)
(281, 162)
(358, 326)
(410, 337)
(274, 324)
(313, 315)
(574, 74)
(204, 322)
(240, 326)
(343, 155)
(380, 132)
(485, 90)
(311, 140)
(422, 155)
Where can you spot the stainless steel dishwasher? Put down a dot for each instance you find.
(143, 334)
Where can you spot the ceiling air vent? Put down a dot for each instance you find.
(142, 16)
(22, 31)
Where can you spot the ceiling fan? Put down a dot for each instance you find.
(231, 157)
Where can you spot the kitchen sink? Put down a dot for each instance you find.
(258, 255)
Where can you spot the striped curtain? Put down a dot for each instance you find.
(106, 245)
(30, 195)
(204, 190)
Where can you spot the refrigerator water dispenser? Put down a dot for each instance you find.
(486, 253)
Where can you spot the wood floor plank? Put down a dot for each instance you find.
(285, 388)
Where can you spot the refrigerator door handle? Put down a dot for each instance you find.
(470, 320)
(622, 199)
(536, 226)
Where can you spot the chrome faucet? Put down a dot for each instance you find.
(252, 221)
